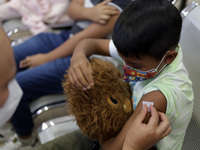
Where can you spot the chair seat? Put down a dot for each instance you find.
(47, 102)
(56, 127)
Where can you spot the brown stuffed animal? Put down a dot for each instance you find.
(102, 111)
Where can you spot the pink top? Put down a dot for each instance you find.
(35, 12)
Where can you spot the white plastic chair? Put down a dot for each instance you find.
(190, 43)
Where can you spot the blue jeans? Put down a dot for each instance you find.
(38, 81)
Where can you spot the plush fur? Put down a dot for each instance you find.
(102, 111)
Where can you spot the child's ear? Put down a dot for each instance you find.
(171, 55)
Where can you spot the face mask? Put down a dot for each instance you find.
(134, 75)
(15, 94)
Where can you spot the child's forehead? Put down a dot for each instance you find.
(143, 59)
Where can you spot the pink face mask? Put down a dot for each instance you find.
(134, 75)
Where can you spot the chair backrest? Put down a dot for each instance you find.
(190, 43)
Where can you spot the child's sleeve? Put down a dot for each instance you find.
(119, 4)
(113, 51)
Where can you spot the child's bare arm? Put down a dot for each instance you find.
(66, 49)
(160, 104)
(93, 31)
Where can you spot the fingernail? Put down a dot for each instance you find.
(91, 84)
(88, 87)
(84, 89)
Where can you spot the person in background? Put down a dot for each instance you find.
(9, 89)
(145, 37)
(42, 60)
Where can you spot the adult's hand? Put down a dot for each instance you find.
(142, 136)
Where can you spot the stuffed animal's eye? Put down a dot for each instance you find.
(113, 100)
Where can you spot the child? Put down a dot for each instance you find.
(146, 36)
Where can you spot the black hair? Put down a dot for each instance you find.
(147, 27)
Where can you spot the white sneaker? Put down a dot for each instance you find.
(6, 131)
(13, 143)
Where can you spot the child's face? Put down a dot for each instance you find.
(145, 67)
(139, 69)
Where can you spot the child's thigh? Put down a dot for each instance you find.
(43, 79)
(41, 43)
(72, 141)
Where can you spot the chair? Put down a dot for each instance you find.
(190, 43)
(18, 32)
(56, 127)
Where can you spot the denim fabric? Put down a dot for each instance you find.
(38, 81)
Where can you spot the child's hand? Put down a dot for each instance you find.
(144, 136)
(80, 72)
(33, 61)
(102, 12)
